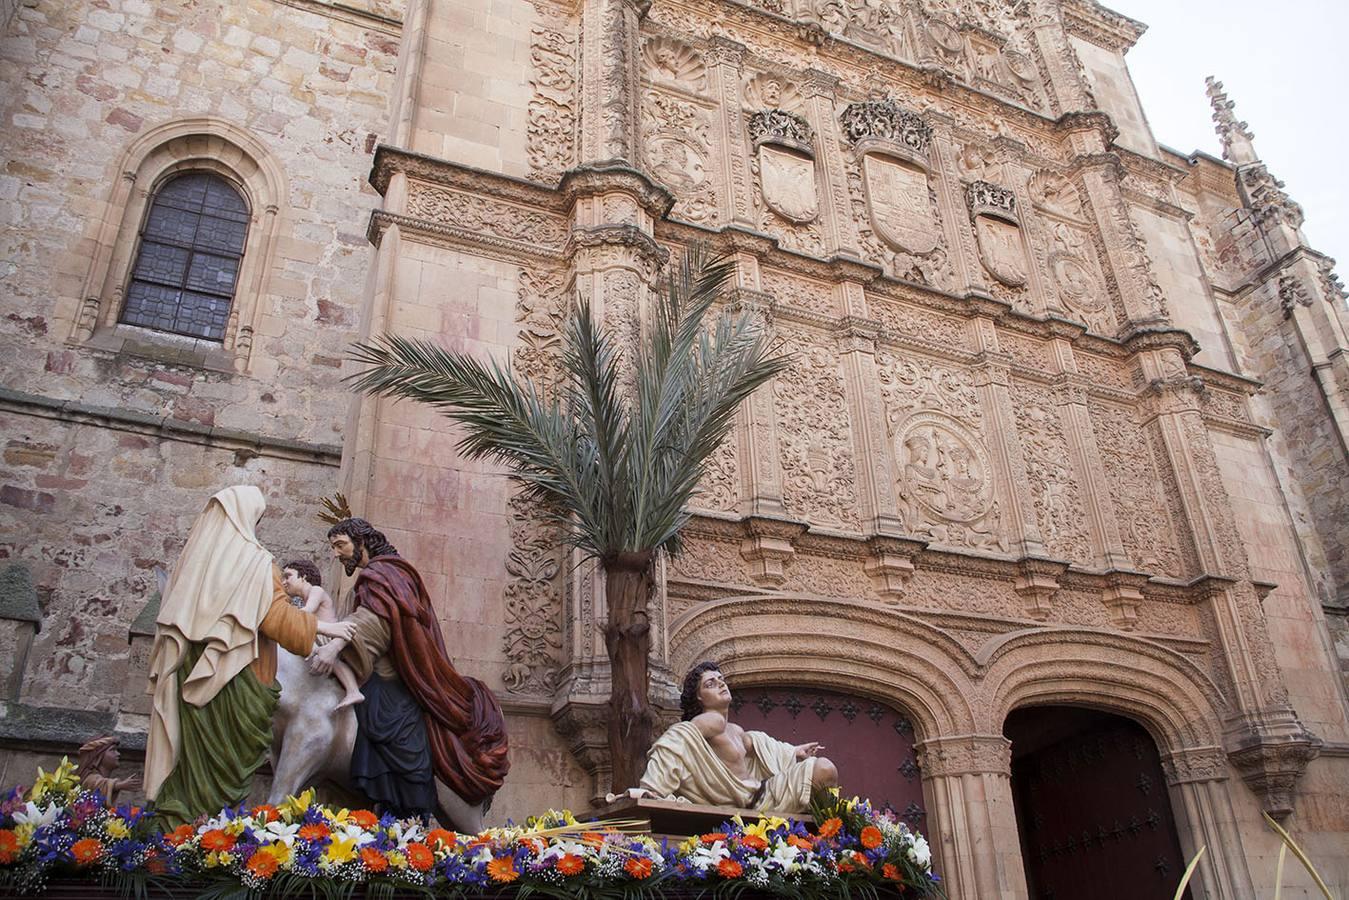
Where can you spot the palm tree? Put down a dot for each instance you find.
(614, 463)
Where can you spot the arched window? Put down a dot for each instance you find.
(187, 265)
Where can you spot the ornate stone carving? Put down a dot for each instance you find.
(533, 603)
(770, 91)
(816, 444)
(550, 141)
(886, 120)
(768, 548)
(984, 198)
(483, 215)
(539, 313)
(965, 755)
(1195, 764)
(900, 205)
(872, 22)
(674, 62)
(678, 149)
(1272, 766)
(1059, 506)
(776, 126)
(787, 180)
(1145, 527)
(890, 566)
(1292, 294)
(1002, 248)
(978, 162)
(1055, 193)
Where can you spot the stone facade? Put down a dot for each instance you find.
(1066, 422)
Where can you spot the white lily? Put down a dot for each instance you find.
(406, 832)
(280, 831)
(784, 855)
(32, 815)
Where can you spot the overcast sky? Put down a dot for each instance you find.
(1284, 64)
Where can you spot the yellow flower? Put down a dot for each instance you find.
(116, 828)
(690, 845)
(62, 781)
(24, 832)
(397, 859)
(294, 807)
(278, 851)
(342, 849)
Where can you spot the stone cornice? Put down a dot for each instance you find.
(352, 15)
(585, 181)
(434, 170)
(1103, 27)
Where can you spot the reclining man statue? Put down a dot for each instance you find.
(708, 759)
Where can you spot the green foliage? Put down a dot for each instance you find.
(614, 462)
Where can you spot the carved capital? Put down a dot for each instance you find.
(722, 51)
(1195, 764)
(759, 304)
(769, 547)
(1272, 764)
(1037, 583)
(1122, 593)
(820, 84)
(1176, 393)
(583, 723)
(968, 754)
(777, 126)
(889, 565)
(985, 198)
(857, 333)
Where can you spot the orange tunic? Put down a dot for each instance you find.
(292, 628)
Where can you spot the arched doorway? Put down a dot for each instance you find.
(1092, 807)
(870, 742)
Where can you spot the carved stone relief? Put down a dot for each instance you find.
(783, 143)
(677, 142)
(533, 603)
(943, 472)
(1002, 248)
(875, 23)
(673, 62)
(789, 290)
(477, 213)
(551, 117)
(768, 90)
(1059, 507)
(814, 434)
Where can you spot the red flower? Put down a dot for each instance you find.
(266, 813)
(86, 851)
(180, 835)
(154, 864)
(263, 865)
(890, 871)
(753, 842)
(713, 837)
(9, 846)
(831, 827)
(729, 868)
(364, 818)
(871, 837)
(571, 864)
(315, 831)
(374, 860)
(638, 866)
(217, 841)
(420, 857)
(502, 869)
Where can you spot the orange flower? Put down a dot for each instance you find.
(315, 831)
(502, 869)
(154, 864)
(729, 868)
(532, 844)
(217, 841)
(592, 839)
(860, 860)
(86, 851)
(180, 835)
(800, 843)
(374, 860)
(266, 813)
(713, 837)
(9, 846)
(571, 864)
(871, 837)
(844, 866)
(753, 842)
(441, 839)
(364, 818)
(263, 865)
(481, 840)
(890, 871)
(640, 866)
(831, 827)
(420, 857)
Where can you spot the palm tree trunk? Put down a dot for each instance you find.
(627, 637)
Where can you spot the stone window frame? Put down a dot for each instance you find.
(206, 145)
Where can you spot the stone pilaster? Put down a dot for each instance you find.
(724, 58)
(610, 114)
(1066, 78)
(967, 782)
(839, 227)
(760, 469)
(1197, 780)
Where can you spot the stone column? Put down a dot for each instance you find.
(760, 466)
(840, 229)
(967, 782)
(1197, 780)
(724, 58)
(1066, 77)
(610, 97)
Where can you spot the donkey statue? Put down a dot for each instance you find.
(312, 741)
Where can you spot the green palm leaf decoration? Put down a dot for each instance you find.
(614, 451)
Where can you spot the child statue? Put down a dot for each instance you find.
(98, 760)
(302, 582)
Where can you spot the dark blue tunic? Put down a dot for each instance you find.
(391, 760)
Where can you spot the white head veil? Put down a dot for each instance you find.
(217, 595)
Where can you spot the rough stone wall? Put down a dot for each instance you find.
(110, 450)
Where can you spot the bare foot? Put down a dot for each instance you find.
(351, 699)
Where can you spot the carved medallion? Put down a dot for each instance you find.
(788, 181)
(901, 210)
(678, 166)
(945, 472)
(1076, 283)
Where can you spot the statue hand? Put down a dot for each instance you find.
(322, 660)
(812, 748)
(124, 784)
(342, 631)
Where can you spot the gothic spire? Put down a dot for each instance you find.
(1235, 134)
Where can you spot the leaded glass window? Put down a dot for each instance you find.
(188, 262)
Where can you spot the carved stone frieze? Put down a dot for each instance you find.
(532, 602)
(1195, 764)
(478, 214)
(1060, 508)
(551, 116)
(1145, 525)
(677, 144)
(965, 755)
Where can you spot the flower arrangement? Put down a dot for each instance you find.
(304, 847)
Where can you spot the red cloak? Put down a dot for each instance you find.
(464, 724)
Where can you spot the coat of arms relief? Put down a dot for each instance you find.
(997, 230)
